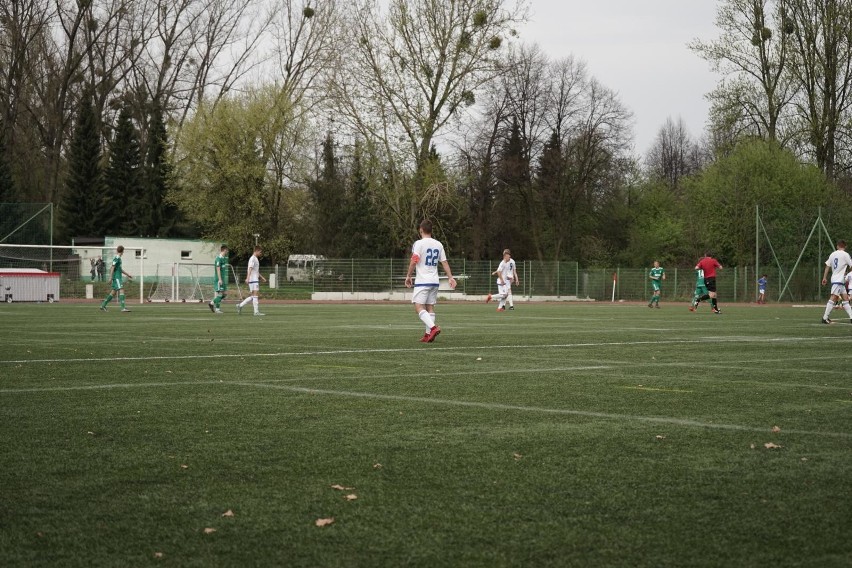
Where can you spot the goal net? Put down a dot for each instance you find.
(188, 282)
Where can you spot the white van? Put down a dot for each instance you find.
(302, 267)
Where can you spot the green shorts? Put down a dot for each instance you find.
(701, 291)
(117, 284)
(656, 286)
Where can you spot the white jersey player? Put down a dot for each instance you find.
(426, 254)
(507, 274)
(838, 263)
(253, 278)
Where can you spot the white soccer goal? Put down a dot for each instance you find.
(189, 282)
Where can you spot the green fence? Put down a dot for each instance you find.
(26, 223)
(564, 279)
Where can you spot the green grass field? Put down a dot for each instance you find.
(554, 435)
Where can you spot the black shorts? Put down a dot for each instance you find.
(710, 283)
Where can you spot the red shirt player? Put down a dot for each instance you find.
(709, 265)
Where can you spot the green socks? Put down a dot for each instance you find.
(106, 301)
(121, 301)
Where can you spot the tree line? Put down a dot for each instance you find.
(332, 128)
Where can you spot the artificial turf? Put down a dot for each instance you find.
(555, 434)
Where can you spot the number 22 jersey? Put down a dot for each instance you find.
(428, 253)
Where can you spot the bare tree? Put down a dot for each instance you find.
(195, 49)
(822, 67)
(56, 49)
(752, 52)
(673, 154)
(411, 71)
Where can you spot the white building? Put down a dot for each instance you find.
(144, 254)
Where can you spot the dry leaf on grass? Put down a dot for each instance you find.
(517, 456)
(350, 497)
(324, 522)
(341, 487)
(228, 513)
(660, 437)
(184, 466)
(377, 466)
(752, 446)
(776, 429)
(771, 446)
(158, 555)
(209, 530)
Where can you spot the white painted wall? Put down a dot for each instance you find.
(152, 253)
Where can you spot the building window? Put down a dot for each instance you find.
(186, 255)
(140, 253)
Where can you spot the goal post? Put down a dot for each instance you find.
(188, 282)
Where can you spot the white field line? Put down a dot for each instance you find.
(538, 409)
(324, 377)
(112, 340)
(421, 349)
(768, 384)
(109, 386)
(634, 377)
(446, 402)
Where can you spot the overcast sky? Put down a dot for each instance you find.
(637, 48)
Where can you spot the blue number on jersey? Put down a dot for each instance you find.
(836, 260)
(431, 257)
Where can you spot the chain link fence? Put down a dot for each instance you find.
(538, 280)
(563, 280)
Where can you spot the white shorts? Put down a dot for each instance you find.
(504, 289)
(838, 289)
(425, 295)
(762, 290)
(254, 286)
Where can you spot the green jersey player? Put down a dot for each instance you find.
(116, 282)
(220, 280)
(700, 290)
(657, 275)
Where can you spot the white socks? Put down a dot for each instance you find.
(427, 319)
(830, 306)
(253, 300)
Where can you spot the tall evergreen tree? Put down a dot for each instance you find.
(7, 186)
(515, 221)
(552, 194)
(123, 207)
(9, 208)
(84, 185)
(328, 192)
(365, 235)
(157, 217)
